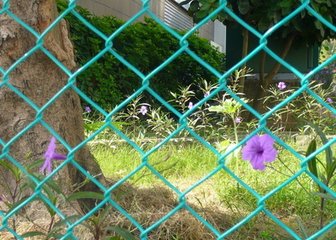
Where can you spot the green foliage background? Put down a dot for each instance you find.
(145, 45)
(262, 15)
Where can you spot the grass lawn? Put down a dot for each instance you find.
(221, 200)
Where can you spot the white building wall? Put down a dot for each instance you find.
(176, 17)
(122, 9)
(220, 34)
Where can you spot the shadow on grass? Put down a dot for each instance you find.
(147, 205)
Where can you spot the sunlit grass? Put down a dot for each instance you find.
(296, 203)
(172, 161)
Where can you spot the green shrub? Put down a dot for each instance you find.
(145, 45)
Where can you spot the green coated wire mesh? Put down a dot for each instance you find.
(222, 77)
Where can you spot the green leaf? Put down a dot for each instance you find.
(194, 7)
(218, 109)
(244, 6)
(329, 155)
(202, 14)
(228, 106)
(93, 126)
(55, 236)
(54, 186)
(223, 145)
(104, 213)
(32, 234)
(203, 2)
(320, 27)
(34, 165)
(122, 232)
(302, 227)
(285, 4)
(85, 195)
(331, 169)
(312, 163)
(333, 184)
(263, 24)
(14, 205)
(70, 219)
(47, 190)
(325, 196)
(323, 178)
(206, 7)
(13, 169)
(119, 125)
(96, 125)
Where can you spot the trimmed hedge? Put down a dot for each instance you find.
(145, 45)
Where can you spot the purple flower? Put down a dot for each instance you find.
(329, 100)
(282, 85)
(238, 120)
(206, 94)
(87, 109)
(51, 155)
(143, 110)
(190, 105)
(259, 150)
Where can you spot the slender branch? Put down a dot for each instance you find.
(292, 172)
(277, 65)
(245, 34)
(266, 81)
(262, 67)
(322, 205)
(259, 90)
(51, 224)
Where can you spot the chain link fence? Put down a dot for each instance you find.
(261, 206)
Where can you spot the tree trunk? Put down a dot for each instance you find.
(39, 78)
(258, 88)
(245, 46)
(265, 81)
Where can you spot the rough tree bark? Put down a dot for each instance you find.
(39, 78)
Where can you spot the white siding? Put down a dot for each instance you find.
(220, 35)
(176, 17)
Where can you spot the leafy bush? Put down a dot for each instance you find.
(303, 111)
(145, 45)
(327, 75)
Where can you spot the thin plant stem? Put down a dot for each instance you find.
(51, 224)
(236, 139)
(292, 172)
(322, 205)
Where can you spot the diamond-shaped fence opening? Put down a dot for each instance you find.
(146, 204)
(291, 214)
(173, 177)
